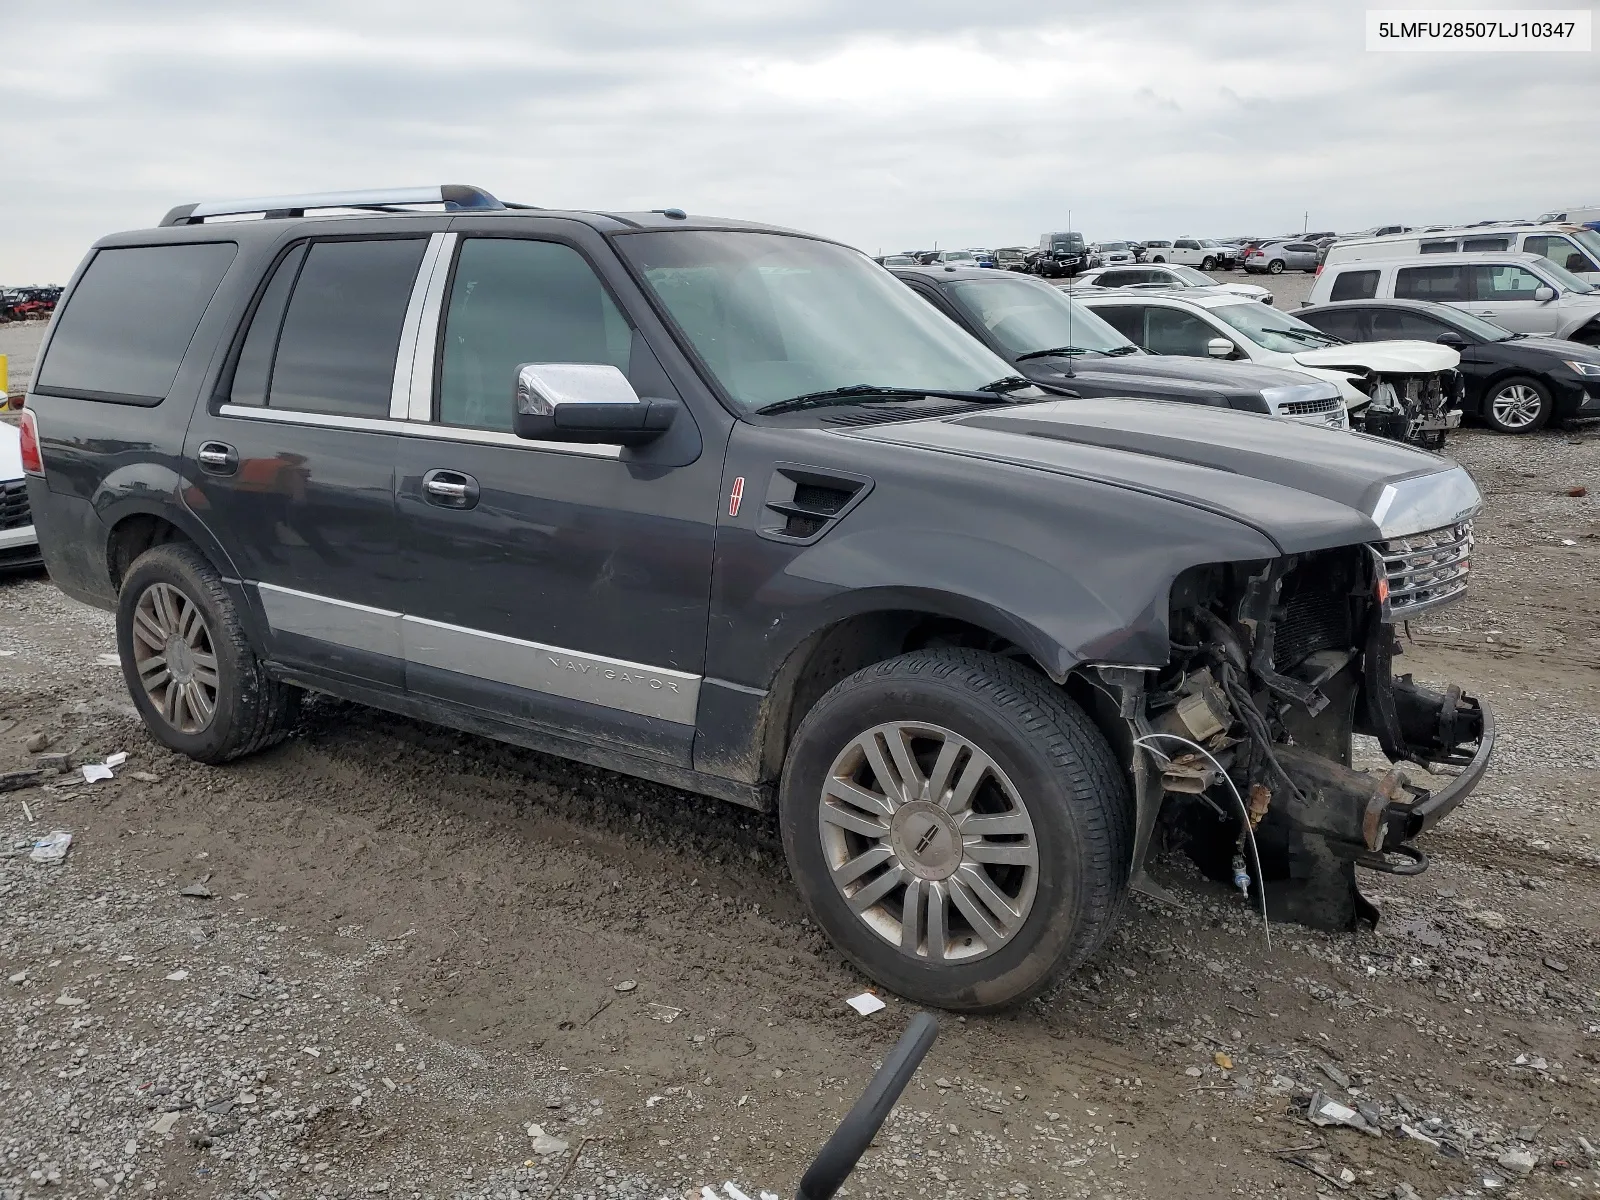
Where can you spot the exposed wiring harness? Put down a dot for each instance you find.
(1244, 811)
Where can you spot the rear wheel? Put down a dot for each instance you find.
(1518, 405)
(1158, 258)
(193, 676)
(958, 827)
(1275, 267)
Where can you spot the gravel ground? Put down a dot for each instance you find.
(368, 960)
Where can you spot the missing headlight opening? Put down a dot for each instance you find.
(1275, 666)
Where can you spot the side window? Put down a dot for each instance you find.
(1346, 323)
(1355, 285)
(1388, 324)
(1186, 244)
(1504, 283)
(336, 350)
(1443, 284)
(253, 372)
(513, 302)
(128, 323)
(1176, 332)
(1119, 278)
(1485, 243)
(1126, 319)
(1439, 246)
(1558, 250)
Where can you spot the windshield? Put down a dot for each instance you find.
(951, 256)
(775, 316)
(1025, 316)
(1113, 245)
(1565, 279)
(1191, 276)
(1066, 241)
(1590, 241)
(1271, 329)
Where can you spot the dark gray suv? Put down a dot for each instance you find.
(730, 508)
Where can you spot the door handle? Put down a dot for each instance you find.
(217, 458)
(450, 489)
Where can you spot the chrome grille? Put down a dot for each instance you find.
(14, 513)
(1307, 408)
(1426, 570)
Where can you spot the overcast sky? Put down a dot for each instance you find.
(890, 124)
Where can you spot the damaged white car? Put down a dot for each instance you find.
(1409, 391)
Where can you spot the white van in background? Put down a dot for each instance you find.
(1584, 214)
(1569, 246)
(1525, 293)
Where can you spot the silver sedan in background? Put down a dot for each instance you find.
(1277, 257)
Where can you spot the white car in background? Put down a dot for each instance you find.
(1112, 254)
(1210, 323)
(1165, 275)
(19, 544)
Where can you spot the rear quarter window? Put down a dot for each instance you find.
(1443, 284)
(124, 331)
(1354, 285)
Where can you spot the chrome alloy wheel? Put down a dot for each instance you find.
(929, 842)
(174, 657)
(1516, 406)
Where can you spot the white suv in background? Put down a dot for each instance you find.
(1568, 246)
(1525, 293)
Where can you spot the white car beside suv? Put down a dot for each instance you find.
(1164, 275)
(1525, 293)
(19, 544)
(1412, 383)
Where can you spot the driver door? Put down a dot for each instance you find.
(1504, 293)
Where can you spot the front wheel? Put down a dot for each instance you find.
(958, 827)
(1208, 264)
(189, 667)
(1275, 267)
(1519, 405)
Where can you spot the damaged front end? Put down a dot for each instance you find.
(1248, 730)
(1415, 408)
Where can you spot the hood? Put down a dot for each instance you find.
(1213, 372)
(1392, 358)
(10, 451)
(1558, 347)
(1305, 488)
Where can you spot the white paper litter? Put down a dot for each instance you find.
(51, 849)
(117, 759)
(178, 976)
(543, 1143)
(95, 772)
(664, 1013)
(866, 1004)
(1568, 542)
(733, 1191)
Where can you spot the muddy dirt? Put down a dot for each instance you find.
(413, 944)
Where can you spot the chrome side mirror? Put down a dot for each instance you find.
(1219, 348)
(585, 402)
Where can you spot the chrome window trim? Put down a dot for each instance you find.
(424, 429)
(405, 354)
(424, 357)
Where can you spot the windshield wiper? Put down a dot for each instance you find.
(854, 393)
(1119, 351)
(1051, 353)
(1327, 339)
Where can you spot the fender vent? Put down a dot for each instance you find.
(802, 502)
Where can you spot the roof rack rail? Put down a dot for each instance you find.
(454, 196)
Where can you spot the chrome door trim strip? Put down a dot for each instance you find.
(405, 353)
(339, 622)
(613, 683)
(428, 429)
(419, 404)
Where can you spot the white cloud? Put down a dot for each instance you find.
(890, 125)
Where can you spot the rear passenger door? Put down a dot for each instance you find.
(554, 585)
(292, 463)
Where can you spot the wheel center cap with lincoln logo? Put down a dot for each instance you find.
(926, 840)
(180, 660)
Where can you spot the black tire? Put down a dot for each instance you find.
(1208, 264)
(1158, 259)
(1061, 768)
(1515, 422)
(1275, 267)
(251, 710)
